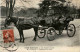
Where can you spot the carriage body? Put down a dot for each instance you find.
(49, 29)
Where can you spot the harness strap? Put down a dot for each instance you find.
(17, 21)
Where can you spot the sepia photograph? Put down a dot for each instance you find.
(39, 25)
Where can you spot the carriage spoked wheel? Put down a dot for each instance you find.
(71, 30)
(41, 33)
(51, 33)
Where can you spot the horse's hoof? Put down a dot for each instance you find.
(23, 42)
(33, 40)
(20, 41)
(24, 38)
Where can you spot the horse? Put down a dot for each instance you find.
(23, 24)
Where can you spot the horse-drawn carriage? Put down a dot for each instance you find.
(47, 28)
(57, 25)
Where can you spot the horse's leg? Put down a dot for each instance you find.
(20, 35)
(36, 33)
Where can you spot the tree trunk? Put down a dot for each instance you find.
(9, 7)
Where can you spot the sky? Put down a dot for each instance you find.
(34, 3)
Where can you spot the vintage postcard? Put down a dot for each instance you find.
(39, 25)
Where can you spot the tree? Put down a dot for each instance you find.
(44, 7)
(55, 5)
(30, 12)
(3, 10)
(78, 12)
(10, 5)
(62, 0)
(7, 7)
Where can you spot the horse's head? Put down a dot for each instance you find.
(8, 20)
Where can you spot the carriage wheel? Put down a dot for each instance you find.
(51, 34)
(71, 30)
(41, 33)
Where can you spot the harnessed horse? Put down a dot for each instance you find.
(23, 24)
(33, 23)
